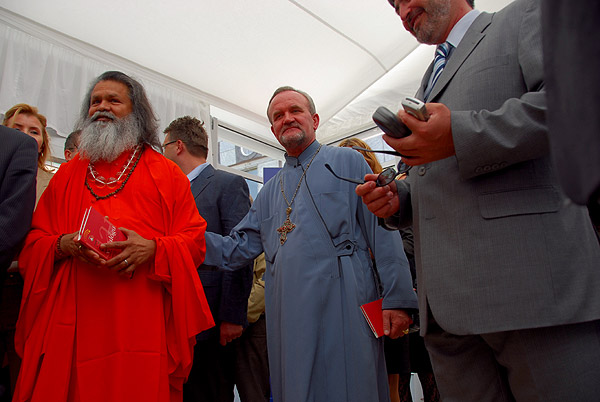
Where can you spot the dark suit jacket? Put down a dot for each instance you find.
(223, 200)
(18, 168)
(571, 65)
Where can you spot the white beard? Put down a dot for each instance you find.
(106, 140)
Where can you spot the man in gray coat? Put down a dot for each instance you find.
(508, 267)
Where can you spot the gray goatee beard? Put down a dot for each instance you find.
(106, 140)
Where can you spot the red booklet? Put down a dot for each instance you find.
(374, 316)
(95, 230)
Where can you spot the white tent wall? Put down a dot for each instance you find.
(42, 68)
(350, 55)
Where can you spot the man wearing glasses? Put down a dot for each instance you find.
(223, 200)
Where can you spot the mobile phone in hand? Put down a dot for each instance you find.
(389, 123)
(416, 108)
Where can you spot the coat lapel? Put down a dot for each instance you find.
(203, 180)
(472, 37)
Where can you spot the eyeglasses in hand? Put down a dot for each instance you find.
(402, 167)
(379, 151)
(383, 179)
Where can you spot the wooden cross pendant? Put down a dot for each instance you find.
(286, 228)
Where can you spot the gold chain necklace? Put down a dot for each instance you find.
(288, 226)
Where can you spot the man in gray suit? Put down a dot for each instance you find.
(508, 267)
(223, 200)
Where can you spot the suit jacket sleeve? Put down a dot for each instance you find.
(490, 140)
(17, 193)
(234, 204)
(403, 217)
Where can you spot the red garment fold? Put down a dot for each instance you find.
(85, 332)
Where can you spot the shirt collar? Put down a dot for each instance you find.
(304, 157)
(196, 171)
(460, 28)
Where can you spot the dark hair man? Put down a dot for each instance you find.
(72, 145)
(89, 329)
(507, 266)
(222, 200)
(316, 236)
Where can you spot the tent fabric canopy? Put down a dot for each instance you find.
(54, 78)
(350, 55)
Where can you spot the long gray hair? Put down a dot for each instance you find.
(141, 109)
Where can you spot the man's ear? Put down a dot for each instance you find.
(180, 147)
(316, 120)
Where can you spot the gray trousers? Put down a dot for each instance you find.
(559, 364)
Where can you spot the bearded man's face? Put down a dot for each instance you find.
(110, 128)
(105, 137)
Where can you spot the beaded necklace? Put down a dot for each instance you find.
(91, 169)
(111, 183)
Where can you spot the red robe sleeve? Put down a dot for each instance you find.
(47, 315)
(176, 259)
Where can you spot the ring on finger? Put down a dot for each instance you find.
(405, 332)
(126, 263)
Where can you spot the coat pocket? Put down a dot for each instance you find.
(519, 202)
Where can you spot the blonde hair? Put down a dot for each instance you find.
(369, 156)
(23, 108)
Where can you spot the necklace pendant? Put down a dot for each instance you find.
(286, 228)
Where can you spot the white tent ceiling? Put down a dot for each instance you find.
(350, 55)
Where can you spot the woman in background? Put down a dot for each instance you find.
(27, 119)
(369, 156)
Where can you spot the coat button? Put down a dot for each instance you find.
(422, 171)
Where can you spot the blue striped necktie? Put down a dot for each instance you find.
(441, 56)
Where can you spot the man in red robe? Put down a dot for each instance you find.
(121, 329)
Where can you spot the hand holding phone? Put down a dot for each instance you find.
(389, 123)
(416, 108)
